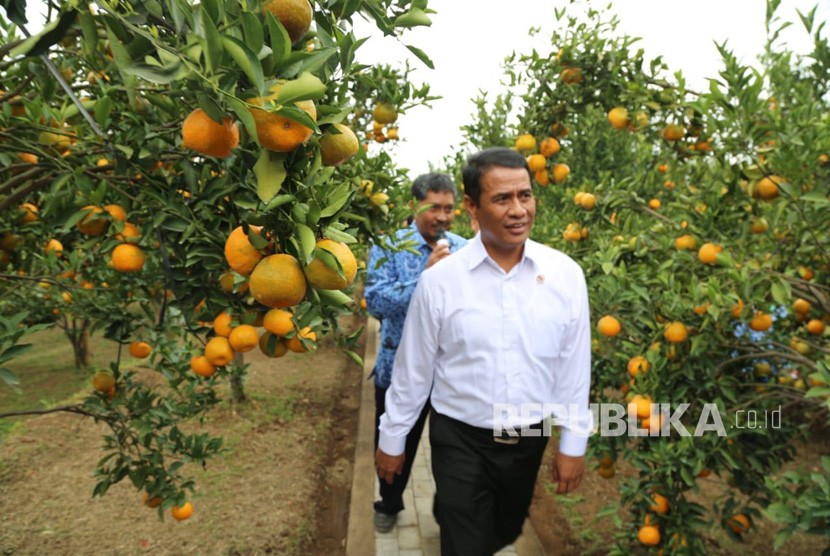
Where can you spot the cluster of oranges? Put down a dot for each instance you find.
(383, 129)
(538, 159)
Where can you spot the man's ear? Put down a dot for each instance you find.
(470, 206)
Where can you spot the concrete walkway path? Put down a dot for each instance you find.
(416, 533)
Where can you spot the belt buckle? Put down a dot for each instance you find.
(510, 440)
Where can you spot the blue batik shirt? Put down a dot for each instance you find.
(389, 289)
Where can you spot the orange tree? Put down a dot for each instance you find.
(700, 220)
(177, 176)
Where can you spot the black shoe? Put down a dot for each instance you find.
(384, 522)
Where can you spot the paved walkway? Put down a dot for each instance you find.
(416, 533)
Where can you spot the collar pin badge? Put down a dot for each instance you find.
(540, 278)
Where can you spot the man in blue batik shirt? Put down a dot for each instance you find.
(389, 288)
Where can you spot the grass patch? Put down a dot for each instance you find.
(48, 375)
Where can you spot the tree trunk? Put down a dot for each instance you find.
(237, 387)
(79, 338)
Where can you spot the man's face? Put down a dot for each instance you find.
(506, 208)
(435, 213)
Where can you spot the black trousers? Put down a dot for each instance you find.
(483, 488)
(391, 496)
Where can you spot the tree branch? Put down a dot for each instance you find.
(78, 409)
(23, 191)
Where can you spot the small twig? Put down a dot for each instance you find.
(78, 409)
(23, 191)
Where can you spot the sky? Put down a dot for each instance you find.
(469, 40)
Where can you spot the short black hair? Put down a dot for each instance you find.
(482, 161)
(425, 183)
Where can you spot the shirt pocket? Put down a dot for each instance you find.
(547, 338)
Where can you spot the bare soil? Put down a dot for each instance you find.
(281, 488)
(569, 525)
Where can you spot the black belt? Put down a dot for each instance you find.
(507, 436)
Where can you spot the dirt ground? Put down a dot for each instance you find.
(570, 525)
(282, 488)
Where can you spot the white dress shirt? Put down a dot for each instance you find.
(477, 336)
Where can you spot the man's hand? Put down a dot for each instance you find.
(388, 466)
(568, 472)
(438, 253)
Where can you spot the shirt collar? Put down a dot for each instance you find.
(478, 253)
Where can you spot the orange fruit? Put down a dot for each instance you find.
(561, 172)
(129, 231)
(660, 505)
(218, 351)
(686, 241)
(767, 187)
(295, 16)
(737, 309)
(222, 324)
(103, 381)
(127, 257)
(654, 204)
(278, 321)
(92, 224)
(243, 338)
(321, 276)
(278, 281)
(272, 345)
(277, 132)
(609, 326)
(649, 535)
(816, 326)
(638, 364)
(383, 114)
(673, 132)
(739, 524)
(758, 225)
(208, 137)
(805, 273)
(525, 143)
(542, 177)
(536, 162)
(701, 309)
(241, 255)
(663, 168)
(200, 365)
(337, 148)
(54, 246)
(29, 213)
(618, 117)
(153, 502)
(28, 158)
(708, 253)
(116, 212)
(676, 332)
(226, 281)
(571, 75)
(760, 321)
(549, 147)
(606, 472)
(294, 343)
(140, 350)
(182, 512)
(588, 201)
(801, 306)
(640, 406)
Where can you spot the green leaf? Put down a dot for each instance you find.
(14, 351)
(338, 235)
(355, 357)
(336, 203)
(305, 87)
(334, 297)
(280, 42)
(160, 75)
(421, 55)
(245, 59)
(212, 10)
(244, 114)
(211, 108)
(307, 241)
(278, 201)
(781, 292)
(816, 196)
(89, 32)
(211, 42)
(252, 31)
(270, 174)
(779, 513)
(51, 34)
(413, 18)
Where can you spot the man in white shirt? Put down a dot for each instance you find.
(500, 335)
